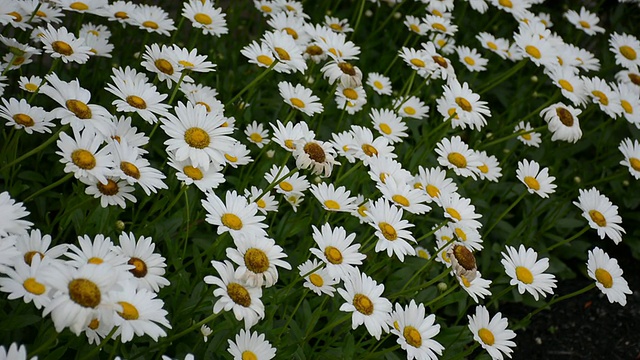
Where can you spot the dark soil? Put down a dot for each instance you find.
(587, 326)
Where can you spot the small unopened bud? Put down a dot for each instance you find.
(120, 225)
(397, 15)
(317, 179)
(271, 153)
(625, 182)
(442, 287)
(205, 331)
(368, 13)
(534, 78)
(577, 180)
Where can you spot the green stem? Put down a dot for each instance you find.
(49, 187)
(329, 327)
(92, 354)
(277, 180)
(175, 90)
(422, 286)
(40, 147)
(286, 324)
(433, 231)
(54, 64)
(352, 169)
(507, 74)
(186, 234)
(511, 136)
(254, 82)
(444, 294)
(608, 178)
(173, 203)
(501, 294)
(359, 17)
(566, 241)
(486, 234)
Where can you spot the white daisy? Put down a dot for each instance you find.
(492, 333)
(537, 180)
(336, 250)
(319, 281)
(205, 180)
(601, 214)
(20, 115)
(608, 276)
(300, 97)
(148, 267)
(527, 136)
(257, 258)
(81, 156)
(266, 202)
(60, 43)
(235, 215)
(114, 191)
(631, 152)
(563, 122)
(26, 281)
(251, 345)
(391, 229)
(456, 155)
(415, 330)
(526, 271)
(332, 198)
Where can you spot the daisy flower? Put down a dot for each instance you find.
(292, 25)
(627, 76)
(114, 191)
(490, 168)
(80, 295)
(476, 288)
(96, 251)
(380, 168)
(464, 107)
(608, 276)
(630, 102)
(285, 49)
(625, 48)
(468, 235)
(440, 25)
(411, 107)
(81, 156)
(435, 183)
(293, 184)
(539, 50)
(136, 94)
(338, 47)
(456, 155)
(30, 84)
(257, 134)
(391, 229)
(251, 345)
(337, 25)
(60, 43)
(237, 154)
(527, 136)
(563, 122)
(286, 135)
(585, 21)
(602, 94)
(471, 59)
(257, 258)
(119, 11)
(423, 253)
(191, 61)
(205, 16)
(88, 6)
(459, 209)
(135, 169)
(366, 146)
(388, 124)
(139, 312)
(401, 194)
(418, 60)
(601, 214)
(569, 83)
(333, 199)
(234, 294)
(205, 180)
(235, 215)
(319, 281)
(416, 25)
(161, 62)
(415, 330)
(526, 271)
(318, 155)
(26, 281)
(344, 143)
(379, 83)
(363, 299)
(121, 129)
(153, 19)
(492, 333)
(362, 211)
(631, 152)
(197, 135)
(261, 55)
(148, 267)
(336, 250)
(266, 202)
(20, 115)
(498, 46)
(535, 179)
(300, 97)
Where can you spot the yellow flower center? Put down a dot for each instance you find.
(314, 50)
(401, 200)
(433, 191)
(604, 278)
(34, 287)
(239, 294)
(336, 27)
(291, 32)
(423, 254)
(197, 138)
(265, 60)
(584, 24)
(286, 186)
(386, 129)
(193, 172)
(361, 210)
(378, 85)
(31, 87)
(492, 45)
(316, 280)
(628, 52)
(249, 355)
(465, 282)
(635, 78)
(230, 158)
(533, 51)
(261, 203)
(136, 101)
(129, 311)
(523, 274)
(460, 234)
(83, 159)
(469, 60)
(457, 159)
(203, 19)
(84, 292)
(409, 110)
(255, 137)
(483, 168)
(453, 113)
(439, 27)
(130, 169)
(604, 100)
(95, 260)
(412, 336)
(265, 8)
(28, 256)
(566, 85)
(297, 103)
(440, 61)
(598, 218)
(388, 231)
(626, 106)
(121, 15)
(414, 28)
(282, 54)
(464, 104)
(139, 267)
(80, 109)
(485, 334)
(332, 205)
(454, 213)
(505, 3)
(23, 119)
(164, 66)
(417, 62)
(94, 324)
(256, 260)
(80, 6)
(350, 93)
(289, 144)
(526, 136)
(333, 255)
(315, 152)
(232, 221)
(16, 16)
(532, 182)
(369, 150)
(150, 24)
(110, 188)
(209, 110)
(363, 304)
(464, 257)
(635, 163)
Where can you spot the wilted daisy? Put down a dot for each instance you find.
(205, 16)
(415, 330)
(114, 191)
(391, 229)
(234, 294)
(537, 180)
(83, 157)
(585, 21)
(257, 134)
(625, 47)
(631, 152)
(20, 115)
(608, 276)
(601, 214)
(60, 43)
(148, 267)
(464, 107)
(319, 281)
(300, 97)
(492, 333)
(153, 19)
(363, 299)
(139, 312)
(136, 94)
(379, 83)
(336, 250)
(456, 155)
(563, 122)
(332, 198)
(251, 345)
(235, 215)
(197, 135)
(530, 138)
(526, 271)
